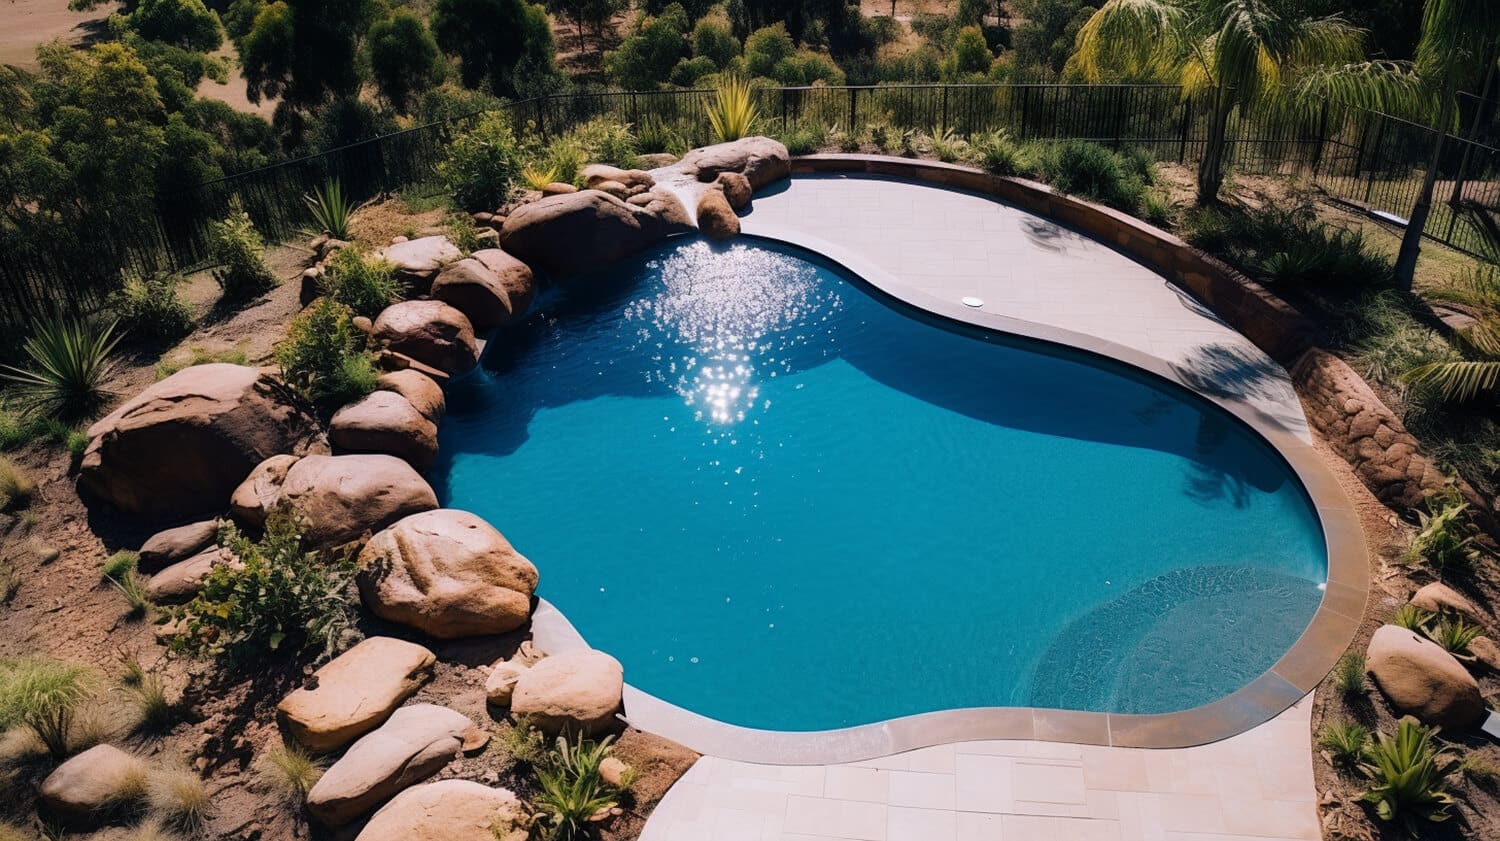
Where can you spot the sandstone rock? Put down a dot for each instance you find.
(182, 445)
(355, 692)
(1363, 430)
(576, 691)
(258, 494)
(613, 771)
(1419, 678)
(430, 332)
(450, 810)
(656, 160)
(419, 260)
(412, 745)
(385, 422)
(558, 188)
(760, 159)
(571, 233)
(390, 360)
(500, 687)
(101, 778)
(173, 545)
(491, 288)
(1440, 598)
(420, 390)
(596, 174)
(181, 581)
(447, 573)
(715, 217)
(736, 189)
(337, 499)
(1486, 653)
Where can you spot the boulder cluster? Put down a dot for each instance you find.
(1422, 679)
(230, 442)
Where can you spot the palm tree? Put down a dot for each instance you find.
(1477, 290)
(1238, 53)
(1459, 38)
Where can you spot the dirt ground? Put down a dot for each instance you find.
(25, 24)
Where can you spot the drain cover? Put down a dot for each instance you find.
(971, 301)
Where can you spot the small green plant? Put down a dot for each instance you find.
(732, 113)
(150, 696)
(120, 563)
(567, 157)
(1409, 776)
(654, 135)
(483, 164)
(133, 589)
(1453, 633)
(571, 788)
(946, 145)
(241, 254)
(1444, 537)
(462, 234)
(132, 673)
(998, 154)
(151, 311)
(199, 356)
(1481, 769)
(1087, 169)
(180, 798)
(362, 282)
(1345, 742)
(523, 743)
(605, 141)
(16, 488)
(10, 581)
(1411, 617)
(279, 598)
(289, 770)
(801, 141)
(44, 695)
(1349, 675)
(1157, 210)
(71, 365)
(323, 356)
(538, 177)
(332, 210)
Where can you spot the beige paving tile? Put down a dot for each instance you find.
(922, 790)
(836, 818)
(922, 825)
(844, 782)
(1048, 782)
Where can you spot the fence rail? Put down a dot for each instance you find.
(1369, 159)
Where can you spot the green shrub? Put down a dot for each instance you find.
(323, 357)
(1094, 172)
(151, 311)
(288, 769)
(235, 244)
(801, 141)
(16, 488)
(607, 142)
(1409, 776)
(1411, 617)
(363, 283)
(280, 598)
(77, 443)
(44, 695)
(1290, 245)
(483, 164)
(732, 113)
(1349, 675)
(571, 787)
(654, 135)
(946, 145)
(462, 234)
(567, 157)
(998, 154)
(1345, 741)
(1453, 633)
(1444, 539)
(1157, 210)
(524, 744)
(332, 210)
(71, 363)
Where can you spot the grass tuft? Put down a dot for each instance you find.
(1349, 675)
(120, 563)
(289, 770)
(16, 488)
(1345, 742)
(44, 695)
(179, 798)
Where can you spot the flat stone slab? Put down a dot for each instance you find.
(355, 692)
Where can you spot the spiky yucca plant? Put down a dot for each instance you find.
(331, 209)
(1409, 776)
(538, 177)
(71, 362)
(572, 789)
(733, 113)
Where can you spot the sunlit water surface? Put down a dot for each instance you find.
(784, 503)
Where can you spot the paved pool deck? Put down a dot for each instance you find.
(951, 244)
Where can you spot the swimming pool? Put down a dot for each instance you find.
(785, 501)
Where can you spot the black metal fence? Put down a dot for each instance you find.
(1362, 157)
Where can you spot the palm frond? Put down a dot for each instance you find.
(1138, 37)
(1460, 380)
(1392, 87)
(1325, 41)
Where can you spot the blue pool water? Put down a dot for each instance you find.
(785, 502)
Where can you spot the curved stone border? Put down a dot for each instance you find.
(1298, 671)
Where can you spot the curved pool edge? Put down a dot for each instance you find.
(1296, 673)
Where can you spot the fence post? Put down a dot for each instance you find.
(784, 126)
(1025, 106)
(1187, 121)
(943, 123)
(852, 94)
(1322, 139)
(541, 117)
(1379, 136)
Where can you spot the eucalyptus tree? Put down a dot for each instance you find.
(1239, 54)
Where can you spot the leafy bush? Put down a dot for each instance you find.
(363, 283)
(236, 245)
(1290, 245)
(732, 114)
(288, 769)
(279, 597)
(998, 154)
(462, 234)
(567, 157)
(483, 164)
(1156, 210)
(524, 744)
(71, 364)
(1349, 675)
(332, 210)
(571, 787)
(1409, 777)
(16, 488)
(1094, 172)
(801, 141)
(44, 695)
(654, 135)
(1345, 741)
(1444, 539)
(607, 142)
(1411, 617)
(1453, 633)
(151, 311)
(323, 357)
(946, 145)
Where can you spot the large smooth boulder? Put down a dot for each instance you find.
(422, 391)
(578, 231)
(1440, 598)
(450, 810)
(95, 781)
(418, 261)
(181, 446)
(447, 573)
(575, 691)
(736, 189)
(430, 332)
(259, 493)
(168, 547)
(355, 692)
(336, 499)
(716, 218)
(760, 159)
(492, 288)
(385, 422)
(1420, 678)
(412, 745)
(500, 686)
(181, 581)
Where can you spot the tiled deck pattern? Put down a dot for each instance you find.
(952, 244)
(1258, 785)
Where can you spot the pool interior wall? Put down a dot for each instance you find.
(784, 501)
